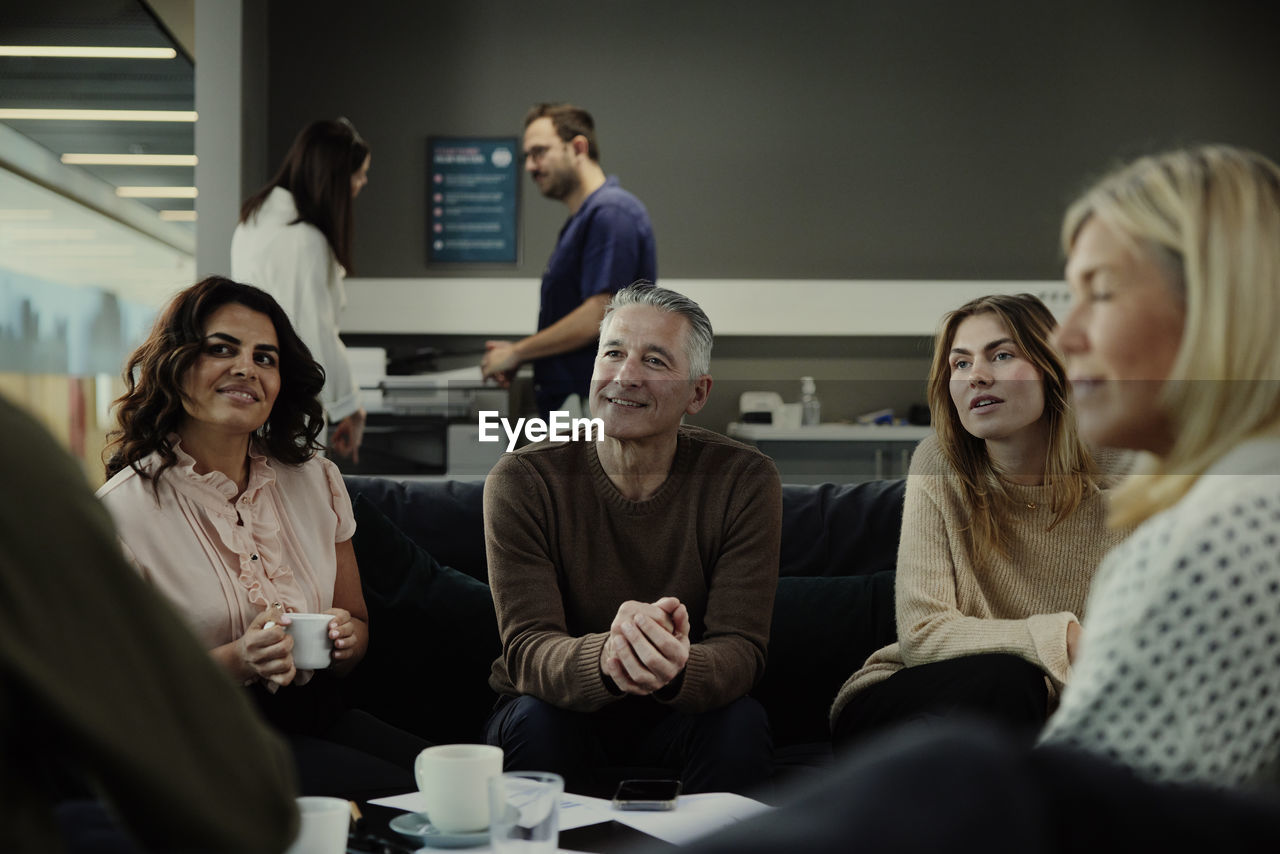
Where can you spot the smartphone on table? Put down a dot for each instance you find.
(646, 795)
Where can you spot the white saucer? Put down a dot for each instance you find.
(418, 826)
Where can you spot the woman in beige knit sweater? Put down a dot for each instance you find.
(1004, 525)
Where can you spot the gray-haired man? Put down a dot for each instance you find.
(634, 577)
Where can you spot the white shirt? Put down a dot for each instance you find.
(294, 263)
(1179, 675)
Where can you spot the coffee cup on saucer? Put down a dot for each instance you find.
(454, 781)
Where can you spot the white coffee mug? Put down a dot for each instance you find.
(323, 828)
(454, 781)
(312, 647)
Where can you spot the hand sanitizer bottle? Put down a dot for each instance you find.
(810, 406)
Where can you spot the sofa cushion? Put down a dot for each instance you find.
(432, 637)
(835, 529)
(446, 518)
(823, 630)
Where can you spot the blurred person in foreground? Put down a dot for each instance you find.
(224, 505)
(1168, 735)
(102, 683)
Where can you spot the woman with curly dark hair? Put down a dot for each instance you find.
(152, 408)
(223, 504)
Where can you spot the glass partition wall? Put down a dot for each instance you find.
(78, 290)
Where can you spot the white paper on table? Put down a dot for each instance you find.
(411, 802)
(694, 816)
(575, 810)
(581, 810)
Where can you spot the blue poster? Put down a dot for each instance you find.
(472, 200)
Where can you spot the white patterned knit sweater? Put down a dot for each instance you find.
(1179, 676)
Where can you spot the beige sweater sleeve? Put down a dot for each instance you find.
(931, 624)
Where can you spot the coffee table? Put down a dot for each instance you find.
(604, 838)
(591, 825)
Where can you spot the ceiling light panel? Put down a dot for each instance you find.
(129, 159)
(156, 192)
(74, 52)
(24, 114)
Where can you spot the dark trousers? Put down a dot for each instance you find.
(340, 752)
(1004, 689)
(88, 827)
(358, 758)
(959, 788)
(728, 749)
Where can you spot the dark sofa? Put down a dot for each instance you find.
(421, 551)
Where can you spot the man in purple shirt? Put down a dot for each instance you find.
(606, 244)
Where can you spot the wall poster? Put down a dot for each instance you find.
(473, 186)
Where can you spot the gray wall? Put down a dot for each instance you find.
(851, 139)
(859, 139)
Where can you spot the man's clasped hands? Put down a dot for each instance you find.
(648, 645)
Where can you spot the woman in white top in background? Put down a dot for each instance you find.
(294, 241)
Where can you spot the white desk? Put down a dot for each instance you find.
(834, 453)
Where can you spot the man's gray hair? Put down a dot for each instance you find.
(698, 342)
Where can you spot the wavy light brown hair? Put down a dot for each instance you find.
(1070, 470)
(317, 172)
(152, 406)
(1211, 216)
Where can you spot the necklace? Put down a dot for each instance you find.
(1031, 505)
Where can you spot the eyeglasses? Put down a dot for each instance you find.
(537, 152)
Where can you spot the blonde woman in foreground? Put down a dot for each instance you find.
(1168, 735)
(1171, 343)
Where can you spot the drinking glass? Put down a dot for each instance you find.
(524, 810)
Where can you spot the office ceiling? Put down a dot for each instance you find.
(122, 84)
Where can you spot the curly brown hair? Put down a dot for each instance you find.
(151, 409)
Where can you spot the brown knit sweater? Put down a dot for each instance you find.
(565, 549)
(952, 603)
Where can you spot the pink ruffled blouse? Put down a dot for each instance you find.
(221, 563)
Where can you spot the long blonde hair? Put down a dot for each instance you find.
(1212, 215)
(1069, 471)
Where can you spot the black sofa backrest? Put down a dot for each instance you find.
(835, 529)
(446, 518)
(834, 603)
(827, 530)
